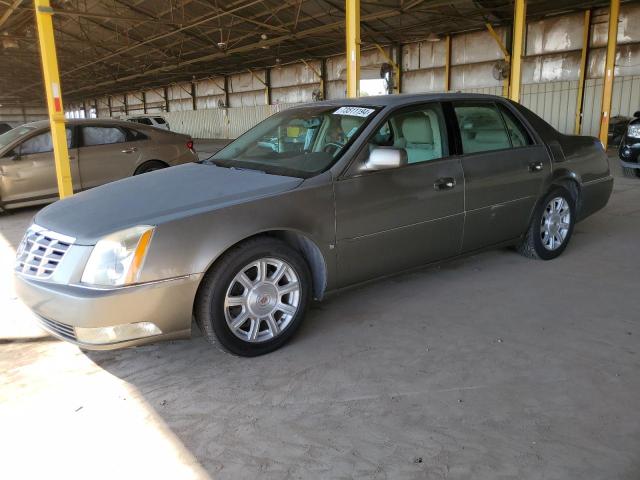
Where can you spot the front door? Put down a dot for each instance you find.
(106, 154)
(28, 172)
(504, 170)
(391, 220)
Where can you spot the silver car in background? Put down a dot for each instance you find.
(100, 151)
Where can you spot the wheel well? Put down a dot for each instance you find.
(306, 247)
(147, 162)
(573, 187)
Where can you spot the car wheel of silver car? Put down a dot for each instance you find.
(551, 226)
(254, 298)
(150, 166)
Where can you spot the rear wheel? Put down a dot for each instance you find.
(150, 167)
(551, 226)
(255, 297)
(631, 172)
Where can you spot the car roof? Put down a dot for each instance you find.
(83, 121)
(407, 99)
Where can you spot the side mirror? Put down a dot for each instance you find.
(384, 158)
(637, 114)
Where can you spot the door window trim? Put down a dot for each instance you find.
(349, 172)
(535, 139)
(81, 136)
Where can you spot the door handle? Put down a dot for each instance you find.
(446, 183)
(129, 150)
(535, 167)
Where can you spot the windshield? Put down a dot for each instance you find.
(12, 135)
(299, 142)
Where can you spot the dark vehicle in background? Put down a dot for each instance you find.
(629, 149)
(311, 200)
(4, 127)
(617, 130)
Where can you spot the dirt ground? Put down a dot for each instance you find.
(491, 367)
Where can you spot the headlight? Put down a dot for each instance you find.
(117, 259)
(634, 131)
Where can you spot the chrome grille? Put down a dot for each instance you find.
(41, 251)
(62, 329)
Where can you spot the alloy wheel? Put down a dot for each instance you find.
(555, 223)
(262, 300)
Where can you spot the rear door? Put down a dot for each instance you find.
(391, 220)
(107, 153)
(504, 169)
(28, 172)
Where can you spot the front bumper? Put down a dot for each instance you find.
(167, 304)
(629, 152)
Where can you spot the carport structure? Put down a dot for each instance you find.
(241, 61)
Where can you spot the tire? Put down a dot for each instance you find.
(225, 297)
(631, 172)
(150, 166)
(547, 223)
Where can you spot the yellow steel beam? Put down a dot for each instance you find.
(51, 76)
(394, 65)
(586, 28)
(447, 63)
(609, 66)
(352, 19)
(517, 49)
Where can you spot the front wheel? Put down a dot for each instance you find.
(254, 298)
(551, 226)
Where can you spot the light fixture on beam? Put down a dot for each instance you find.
(433, 37)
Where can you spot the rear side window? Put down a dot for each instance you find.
(134, 135)
(481, 128)
(519, 135)
(102, 136)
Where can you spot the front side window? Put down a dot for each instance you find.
(421, 132)
(298, 142)
(481, 128)
(160, 120)
(102, 136)
(41, 143)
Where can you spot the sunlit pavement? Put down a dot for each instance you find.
(494, 366)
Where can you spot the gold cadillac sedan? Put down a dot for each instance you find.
(100, 151)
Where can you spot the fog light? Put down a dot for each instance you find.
(117, 333)
(626, 152)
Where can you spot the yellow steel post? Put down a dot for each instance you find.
(609, 65)
(352, 19)
(519, 26)
(44, 21)
(447, 63)
(586, 28)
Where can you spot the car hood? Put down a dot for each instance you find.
(157, 197)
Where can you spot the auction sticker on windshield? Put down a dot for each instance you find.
(354, 111)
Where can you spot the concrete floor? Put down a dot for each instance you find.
(491, 367)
